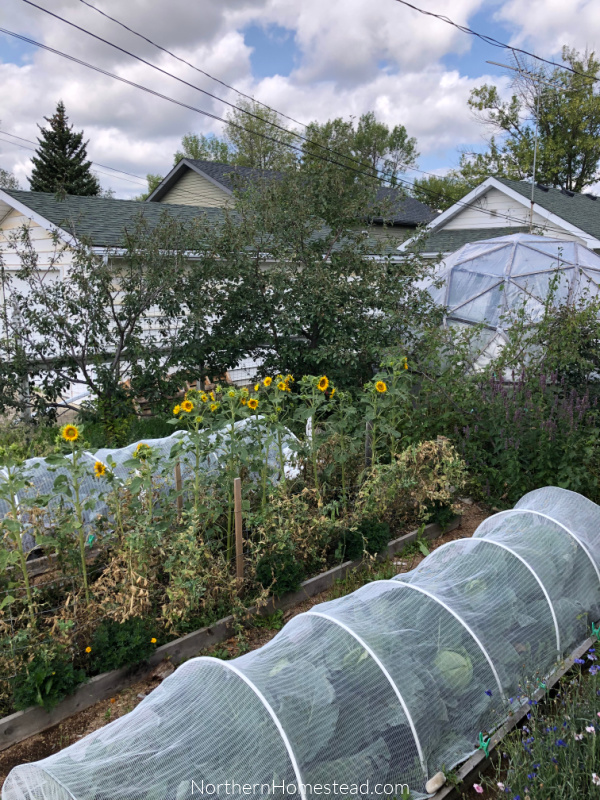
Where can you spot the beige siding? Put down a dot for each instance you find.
(41, 239)
(397, 233)
(491, 211)
(194, 190)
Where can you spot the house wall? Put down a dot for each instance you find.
(195, 190)
(491, 211)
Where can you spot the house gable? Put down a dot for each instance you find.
(194, 189)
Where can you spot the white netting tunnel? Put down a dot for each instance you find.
(378, 689)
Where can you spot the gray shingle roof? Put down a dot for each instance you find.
(103, 221)
(400, 209)
(579, 209)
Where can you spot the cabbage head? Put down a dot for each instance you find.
(455, 668)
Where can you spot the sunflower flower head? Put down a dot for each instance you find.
(187, 406)
(244, 400)
(256, 387)
(99, 469)
(333, 391)
(281, 386)
(253, 403)
(231, 393)
(212, 396)
(268, 381)
(405, 363)
(323, 383)
(177, 409)
(203, 397)
(142, 451)
(198, 420)
(381, 387)
(70, 433)
(214, 406)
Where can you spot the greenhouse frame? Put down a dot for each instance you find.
(380, 688)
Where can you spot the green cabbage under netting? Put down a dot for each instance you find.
(378, 689)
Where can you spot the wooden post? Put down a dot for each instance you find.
(178, 489)
(239, 541)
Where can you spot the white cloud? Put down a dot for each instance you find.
(353, 56)
(547, 25)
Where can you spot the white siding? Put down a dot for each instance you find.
(195, 190)
(491, 211)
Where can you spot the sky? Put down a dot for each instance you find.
(312, 60)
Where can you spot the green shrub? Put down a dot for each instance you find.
(370, 535)
(280, 571)
(121, 644)
(46, 679)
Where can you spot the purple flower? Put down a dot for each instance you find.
(578, 661)
(561, 743)
(487, 691)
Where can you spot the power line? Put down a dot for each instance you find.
(266, 136)
(189, 64)
(495, 42)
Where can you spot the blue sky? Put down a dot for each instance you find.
(313, 60)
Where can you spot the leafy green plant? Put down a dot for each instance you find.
(46, 679)
(121, 644)
(280, 571)
(370, 535)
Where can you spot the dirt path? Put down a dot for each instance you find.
(100, 714)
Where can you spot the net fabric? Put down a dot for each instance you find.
(343, 718)
(572, 510)
(385, 685)
(149, 753)
(560, 562)
(499, 598)
(417, 646)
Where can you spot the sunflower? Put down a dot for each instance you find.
(187, 406)
(231, 393)
(142, 451)
(244, 400)
(405, 363)
(198, 420)
(177, 409)
(333, 391)
(70, 433)
(268, 381)
(99, 469)
(253, 403)
(256, 387)
(281, 386)
(244, 390)
(323, 383)
(381, 387)
(204, 397)
(214, 406)
(212, 396)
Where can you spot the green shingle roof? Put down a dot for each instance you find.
(582, 210)
(102, 221)
(447, 241)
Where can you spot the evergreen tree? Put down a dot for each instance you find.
(60, 162)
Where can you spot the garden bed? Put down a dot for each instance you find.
(58, 735)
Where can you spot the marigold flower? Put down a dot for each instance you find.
(323, 383)
(88, 649)
(214, 406)
(70, 433)
(153, 640)
(99, 469)
(204, 397)
(177, 409)
(268, 381)
(381, 387)
(253, 403)
(187, 406)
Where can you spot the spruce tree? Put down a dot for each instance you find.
(60, 162)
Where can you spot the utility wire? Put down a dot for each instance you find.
(495, 42)
(266, 136)
(189, 64)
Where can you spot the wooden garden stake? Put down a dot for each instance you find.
(368, 444)
(239, 542)
(178, 489)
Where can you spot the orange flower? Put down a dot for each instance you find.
(88, 649)
(153, 640)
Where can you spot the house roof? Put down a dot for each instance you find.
(101, 220)
(449, 240)
(582, 210)
(399, 208)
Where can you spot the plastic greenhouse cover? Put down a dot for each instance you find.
(253, 430)
(364, 694)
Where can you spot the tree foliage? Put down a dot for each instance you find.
(569, 126)
(204, 148)
(8, 180)
(442, 191)
(60, 164)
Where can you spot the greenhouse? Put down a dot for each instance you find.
(484, 282)
(379, 689)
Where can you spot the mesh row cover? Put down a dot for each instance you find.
(254, 431)
(375, 690)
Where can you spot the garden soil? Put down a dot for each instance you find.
(100, 714)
